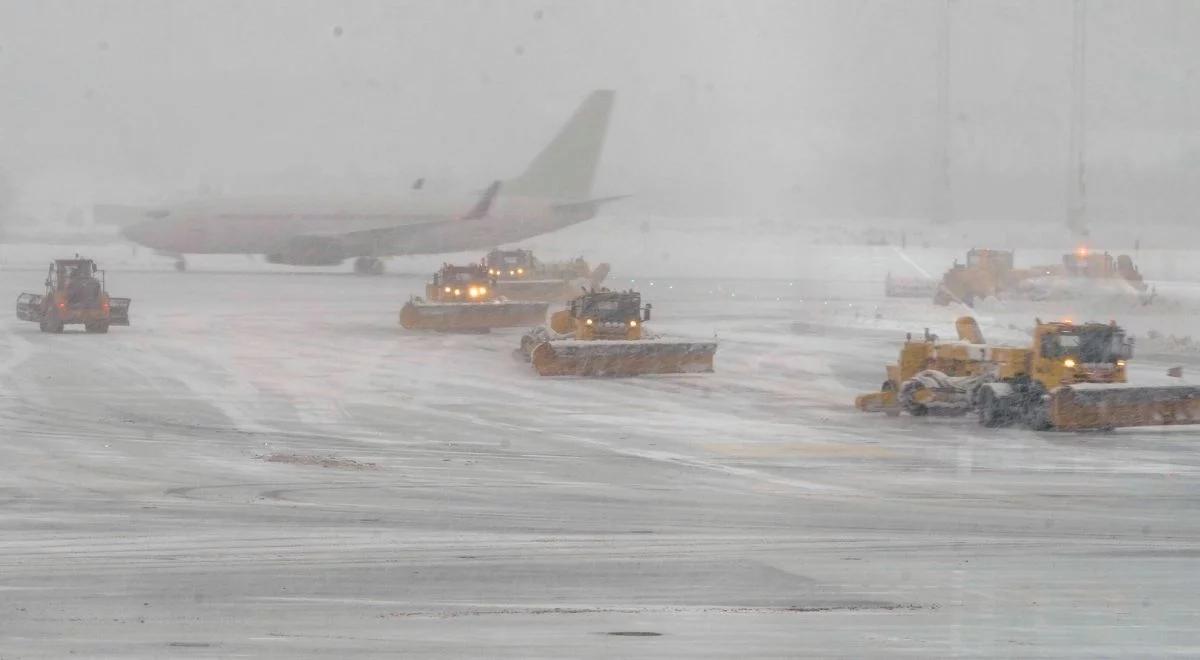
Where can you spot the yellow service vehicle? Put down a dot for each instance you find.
(1072, 377)
(521, 276)
(990, 273)
(463, 299)
(76, 294)
(986, 273)
(601, 333)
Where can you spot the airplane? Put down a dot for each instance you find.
(553, 192)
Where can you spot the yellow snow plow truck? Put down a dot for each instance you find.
(521, 276)
(463, 299)
(76, 294)
(602, 333)
(1072, 378)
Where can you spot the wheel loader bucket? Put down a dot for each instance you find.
(622, 357)
(118, 311)
(470, 317)
(1103, 406)
(29, 307)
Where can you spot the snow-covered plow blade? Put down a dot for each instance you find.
(622, 357)
(118, 311)
(470, 317)
(1102, 406)
(909, 287)
(29, 307)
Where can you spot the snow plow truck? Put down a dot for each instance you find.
(1072, 378)
(602, 333)
(76, 294)
(521, 276)
(464, 299)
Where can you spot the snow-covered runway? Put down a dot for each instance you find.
(268, 466)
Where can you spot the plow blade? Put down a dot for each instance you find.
(118, 311)
(1082, 408)
(29, 307)
(471, 317)
(622, 358)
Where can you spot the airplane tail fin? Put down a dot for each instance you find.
(564, 170)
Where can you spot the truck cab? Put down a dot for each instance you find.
(603, 315)
(1067, 353)
(511, 264)
(470, 283)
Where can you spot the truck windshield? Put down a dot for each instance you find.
(1087, 346)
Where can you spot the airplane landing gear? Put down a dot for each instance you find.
(368, 266)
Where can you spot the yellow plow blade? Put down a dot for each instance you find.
(622, 358)
(1087, 407)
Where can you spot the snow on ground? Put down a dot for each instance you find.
(267, 465)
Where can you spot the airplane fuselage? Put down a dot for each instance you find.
(232, 229)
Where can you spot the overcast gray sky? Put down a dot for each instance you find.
(820, 107)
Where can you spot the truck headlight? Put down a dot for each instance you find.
(483, 290)
(458, 292)
(633, 324)
(1120, 363)
(1068, 363)
(473, 292)
(447, 289)
(520, 271)
(589, 321)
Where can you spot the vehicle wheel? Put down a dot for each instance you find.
(1033, 408)
(992, 410)
(97, 328)
(181, 264)
(42, 326)
(54, 326)
(368, 266)
(907, 391)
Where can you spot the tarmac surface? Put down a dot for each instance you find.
(267, 465)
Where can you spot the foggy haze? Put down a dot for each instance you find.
(786, 108)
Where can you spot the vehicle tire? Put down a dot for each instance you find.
(1033, 408)
(905, 397)
(368, 266)
(54, 326)
(99, 328)
(181, 264)
(993, 412)
(42, 326)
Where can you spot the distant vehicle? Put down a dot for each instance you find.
(76, 293)
(464, 299)
(521, 276)
(990, 273)
(554, 192)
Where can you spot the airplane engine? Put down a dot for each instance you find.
(311, 251)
